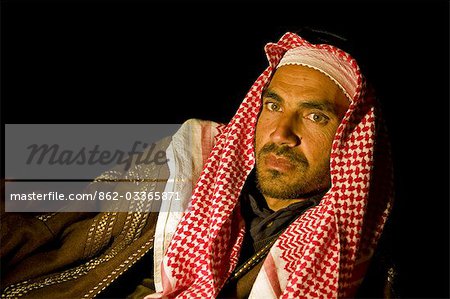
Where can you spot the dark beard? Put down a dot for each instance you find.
(270, 182)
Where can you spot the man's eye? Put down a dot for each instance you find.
(273, 106)
(317, 118)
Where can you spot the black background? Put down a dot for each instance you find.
(165, 62)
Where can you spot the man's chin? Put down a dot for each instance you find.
(273, 191)
(275, 184)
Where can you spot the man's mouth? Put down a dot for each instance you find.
(279, 163)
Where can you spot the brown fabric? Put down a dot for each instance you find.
(245, 283)
(27, 241)
(23, 234)
(75, 255)
(241, 288)
(143, 289)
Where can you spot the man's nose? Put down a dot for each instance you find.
(285, 132)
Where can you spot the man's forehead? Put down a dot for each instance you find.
(306, 79)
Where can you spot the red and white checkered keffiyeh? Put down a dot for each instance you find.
(325, 252)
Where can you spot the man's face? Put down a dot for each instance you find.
(301, 111)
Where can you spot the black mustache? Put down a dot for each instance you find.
(283, 151)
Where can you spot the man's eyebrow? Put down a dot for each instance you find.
(323, 105)
(272, 95)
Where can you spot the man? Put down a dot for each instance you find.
(313, 141)
(287, 200)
